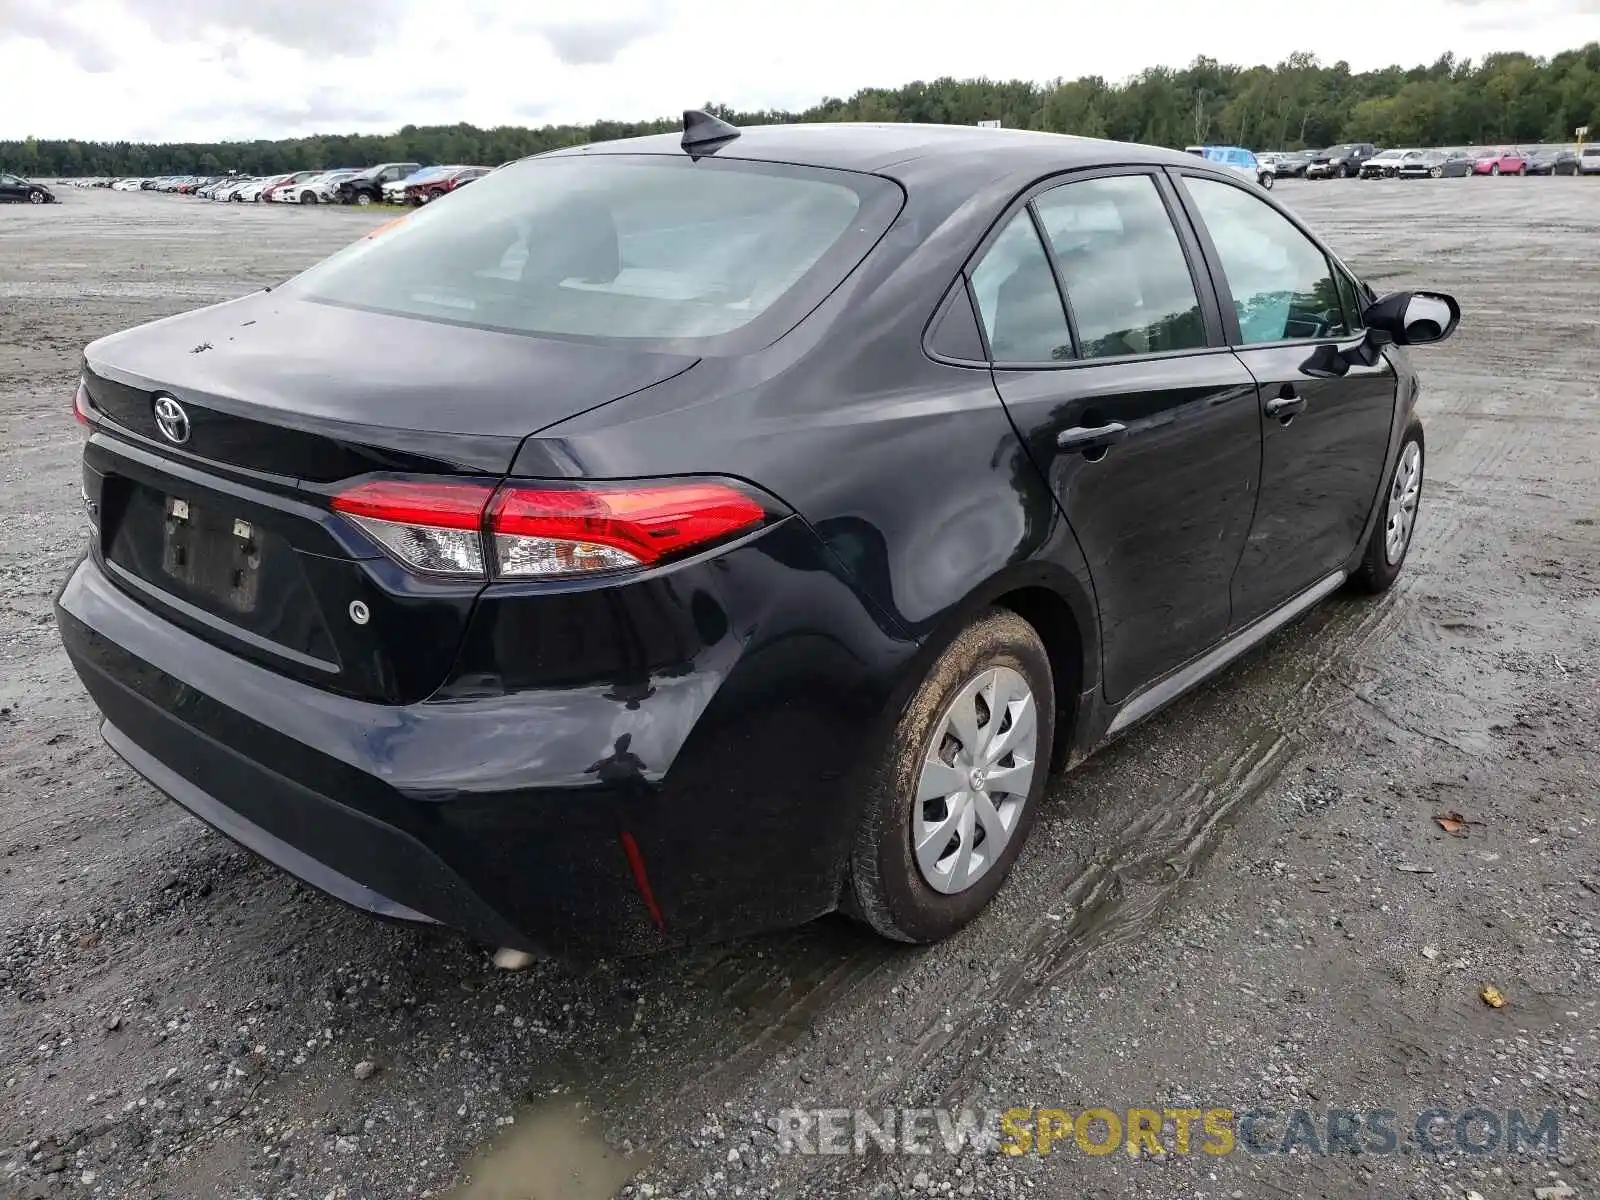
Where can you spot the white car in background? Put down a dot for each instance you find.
(319, 189)
(251, 192)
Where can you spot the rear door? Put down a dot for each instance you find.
(12, 188)
(1130, 404)
(1323, 439)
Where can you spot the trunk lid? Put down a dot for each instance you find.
(228, 533)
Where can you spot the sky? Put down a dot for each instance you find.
(210, 70)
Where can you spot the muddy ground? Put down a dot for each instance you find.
(1247, 904)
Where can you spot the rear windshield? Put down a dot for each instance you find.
(647, 248)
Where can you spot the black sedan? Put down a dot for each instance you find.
(1549, 161)
(16, 190)
(670, 539)
(1437, 164)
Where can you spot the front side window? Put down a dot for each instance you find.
(1124, 268)
(610, 246)
(1283, 288)
(1017, 298)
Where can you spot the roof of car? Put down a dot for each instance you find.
(873, 147)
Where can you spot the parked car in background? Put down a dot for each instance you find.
(1503, 161)
(1552, 160)
(367, 186)
(1386, 164)
(14, 189)
(231, 189)
(592, 662)
(251, 192)
(432, 189)
(1340, 162)
(1437, 164)
(318, 189)
(1286, 164)
(284, 181)
(1236, 159)
(1589, 160)
(394, 192)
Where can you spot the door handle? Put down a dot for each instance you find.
(1091, 437)
(1287, 404)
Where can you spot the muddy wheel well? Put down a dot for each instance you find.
(1051, 617)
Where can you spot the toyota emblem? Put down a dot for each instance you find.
(172, 420)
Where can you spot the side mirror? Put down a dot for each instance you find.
(1413, 318)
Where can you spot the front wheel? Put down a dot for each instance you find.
(308, 197)
(363, 198)
(1391, 534)
(1267, 180)
(1436, 173)
(951, 799)
(35, 197)
(1495, 170)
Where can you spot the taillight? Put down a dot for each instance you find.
(80, 405)
(431, 527)
(545, 531)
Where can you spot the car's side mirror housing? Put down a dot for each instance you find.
(1413, 318)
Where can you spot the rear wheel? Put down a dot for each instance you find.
(1391, 535)
(952, 798)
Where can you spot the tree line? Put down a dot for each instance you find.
(1299, 103)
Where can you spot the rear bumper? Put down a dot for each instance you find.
(704, 803)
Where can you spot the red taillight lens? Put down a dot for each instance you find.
(80, 404)
(542, 531)
(567, 531)
(431, 526)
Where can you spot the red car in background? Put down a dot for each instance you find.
(439, 185)
(1501, 162)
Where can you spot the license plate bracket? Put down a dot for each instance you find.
(219, 557)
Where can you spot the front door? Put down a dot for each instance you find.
(1324, 440)
(1143, 422)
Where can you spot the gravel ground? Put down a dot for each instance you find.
(1247, 904)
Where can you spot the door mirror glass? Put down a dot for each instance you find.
(1414, 318)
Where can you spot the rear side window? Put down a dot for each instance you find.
(646, 248)
(1018, 300)
(1283, 288)
(1126, 276)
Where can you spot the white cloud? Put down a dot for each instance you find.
(205, 69)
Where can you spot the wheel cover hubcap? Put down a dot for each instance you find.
(1403, 496)
(974, 780)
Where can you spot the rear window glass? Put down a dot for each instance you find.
(648, 247)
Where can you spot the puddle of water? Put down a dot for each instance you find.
(552, 1153)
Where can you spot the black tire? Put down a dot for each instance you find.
(886, 890)
(1437, 172)
(1266, 180)
(308, 197)
(1377, 574)
(1344, 171)
(363, 198)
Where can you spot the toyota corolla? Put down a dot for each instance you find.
(676, 538)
